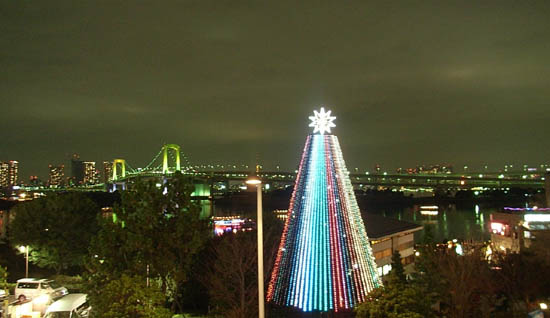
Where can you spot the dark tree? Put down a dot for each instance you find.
(3, 278)
(524, 278)
(428, 236)
(462, 286)
(156, 230)
(57, 228)
(231, 279)
(397, 267)
(129, 296)
(397, 299)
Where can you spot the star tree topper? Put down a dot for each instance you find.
(321, 121)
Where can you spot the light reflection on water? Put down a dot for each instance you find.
(449, 223)
(464, 223)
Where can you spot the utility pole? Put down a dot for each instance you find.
(547, 188)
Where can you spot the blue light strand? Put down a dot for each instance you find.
(290, 246)
(308, 263)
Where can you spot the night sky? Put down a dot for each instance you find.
(410, 82)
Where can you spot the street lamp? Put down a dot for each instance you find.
(255, 180)
(25, 249)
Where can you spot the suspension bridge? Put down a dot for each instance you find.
(166, 162)
(170, 159)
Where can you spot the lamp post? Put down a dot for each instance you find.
(25, 249)
(254, 180)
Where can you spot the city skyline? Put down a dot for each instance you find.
(411, 83)
(92, 172)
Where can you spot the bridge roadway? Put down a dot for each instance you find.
(445, 181)
(468, 181)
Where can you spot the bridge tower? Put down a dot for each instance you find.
(176, 150)
(122, 163)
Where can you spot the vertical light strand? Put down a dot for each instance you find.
(285, 284)
(352, 257)
(305, 259)
(317, 198)
(367, 273)
(287, 280)
(338, 272)
(324, 261)
(356, 283)
(326, 278)
(309, 215)
(343, 221)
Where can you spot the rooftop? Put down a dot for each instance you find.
(379, 226)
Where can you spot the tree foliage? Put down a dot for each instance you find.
(129, 296)
(3, 277)
(155, 230)
(58, 229)
(397, 267)
(396, 299)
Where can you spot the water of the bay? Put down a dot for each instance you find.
(447, 222)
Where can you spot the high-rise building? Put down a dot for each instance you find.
(57, 174)
(4, 174)
(13, 171)
(34, 181)
(77, 170)
(90, 173)
(325, 262)
(8, 173)
(107, 171)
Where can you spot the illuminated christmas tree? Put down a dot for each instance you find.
(324, 262)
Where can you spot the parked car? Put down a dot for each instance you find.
(30, 288)
(69, 306)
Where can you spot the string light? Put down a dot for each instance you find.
(324, 261)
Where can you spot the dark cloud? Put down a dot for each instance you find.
(234, 81)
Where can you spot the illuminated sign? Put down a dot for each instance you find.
(536, 217)
(498, 228)
(224, 225)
